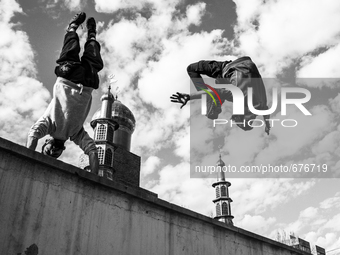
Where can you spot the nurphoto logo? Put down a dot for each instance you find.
(239, 104)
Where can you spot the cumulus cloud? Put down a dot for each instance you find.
(182, 142)
(310, 212)
(8, 8)
(176, 186)
(244, 146)
(332, 202)
(194, 13)
(315, 224)
(335, 104)
(256, 196)
(23, 97)
(74, 5)
(150, 164)
(289, 141)
(325, 65)
(330, 143)
(52, 6)
(169, 72)
(112, 6)
(330, 240)
(256, 223)
(147, 63)
(276, 34)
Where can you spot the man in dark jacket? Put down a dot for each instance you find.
(242, 73)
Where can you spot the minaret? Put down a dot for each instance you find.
(104, 127)
(222, 201)
(113, 126)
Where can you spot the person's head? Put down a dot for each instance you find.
(53, 147)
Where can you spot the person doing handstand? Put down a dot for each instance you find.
(72, 95)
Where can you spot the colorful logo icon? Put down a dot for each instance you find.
(208, 92)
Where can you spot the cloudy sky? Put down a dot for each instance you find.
(148, 44)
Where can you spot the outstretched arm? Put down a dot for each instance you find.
(183, 98)
(87, 144)
(195, 70)
(31, 142)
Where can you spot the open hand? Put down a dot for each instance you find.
(180, 98)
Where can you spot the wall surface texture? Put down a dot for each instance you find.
(51, 208)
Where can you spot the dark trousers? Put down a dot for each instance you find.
(82, 70)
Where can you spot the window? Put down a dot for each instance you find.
(101, 132)
(223, 191)
(108, 157)
(217, 192)
(218, 209)
(110, 134)
(224, 208)
(101, 155)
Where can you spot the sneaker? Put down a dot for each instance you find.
(77, 20)
(91, 25)
(91, 28)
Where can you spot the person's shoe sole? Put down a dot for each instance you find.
(76, 21)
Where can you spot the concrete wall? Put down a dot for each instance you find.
(49, 207)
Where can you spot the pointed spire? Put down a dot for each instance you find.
(221, 164)
(107, 101)
(222, 200)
